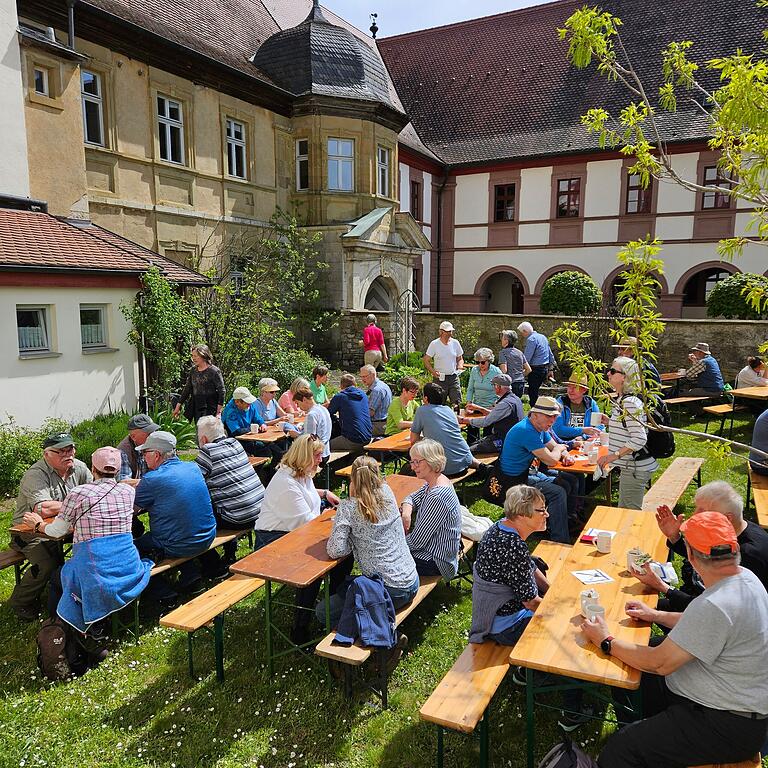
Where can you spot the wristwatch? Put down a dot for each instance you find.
(605, 645)
(37, 526)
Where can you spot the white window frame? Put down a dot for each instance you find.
(166, 125)
(382, 171)
(301, 159)
(236, 146)
(98, 100)
(340, 161)
(102, 310)
(42, 312)
(46, 80)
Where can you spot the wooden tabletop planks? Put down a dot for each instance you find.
(553, 642)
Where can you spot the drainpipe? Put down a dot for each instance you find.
(71, 23)
(439, 236)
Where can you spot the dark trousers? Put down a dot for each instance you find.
(677, 733)
(230, 548)
(518, 387)
(306, 597)
(536, 378)
(426, 567)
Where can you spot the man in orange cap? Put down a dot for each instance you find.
(705, 687)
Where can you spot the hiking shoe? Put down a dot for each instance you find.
(539, 678)
(570, 721)
(394, 655)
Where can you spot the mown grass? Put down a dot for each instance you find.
(141, 709)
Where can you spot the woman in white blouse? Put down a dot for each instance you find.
(752, 374)
(627, 434)
(291, 500)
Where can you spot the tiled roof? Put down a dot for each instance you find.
(32, 240)
(501, 87)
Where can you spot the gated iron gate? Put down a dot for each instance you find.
(403, 336)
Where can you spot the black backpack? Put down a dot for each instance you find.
(660, 444)
(59, 655)
(567, 755)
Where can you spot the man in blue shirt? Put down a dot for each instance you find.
(379, 399)
(759, 463)
(529, 440)
(539, 356)
(353, 418)
(239, 414)
(181, 517)
(704, 374)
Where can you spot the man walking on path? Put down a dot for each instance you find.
(539, 356)
(444, 359)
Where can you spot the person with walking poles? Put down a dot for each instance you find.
(444, 359)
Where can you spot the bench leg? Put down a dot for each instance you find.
(17, 572)
(218, 646)
(190, 655)
(382, 654)
(439, 746)
(484, 738)
(698, 477)
(749, 491)
(529, 722)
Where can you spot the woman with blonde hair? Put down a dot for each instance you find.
(290, 501)
(368, 525)
(205, 385)
(286, 401)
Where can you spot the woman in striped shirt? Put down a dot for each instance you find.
(435, 537)
(627, 434)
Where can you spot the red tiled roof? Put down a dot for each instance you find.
(501, 87)
(32, 240)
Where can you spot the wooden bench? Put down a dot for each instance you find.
(209, 608)
(755, 762)
(258, 461)
(168, 564)
(671, 485)
(722, 412)
(757, 491)
(356, 655)
(10, 557)
(333, 458)
(346, 472)
(462, 698)
(686, 400)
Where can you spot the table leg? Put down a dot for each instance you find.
(484, 738)
(608, 489)
(268, 615)
(218, 645)
(529, 723)
(439, 746)
(327, 591)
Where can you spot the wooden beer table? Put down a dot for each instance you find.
(297, 559)
(585, 468)
(398, 444)
(272, 435)
(751, 393)
(552, 641)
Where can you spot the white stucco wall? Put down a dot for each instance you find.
(603, 188)
(535, 193)
(533, 234)
(405, 187)
(72, 385)
(674, 227)
(427, 201)
(471, 237)
(672, 197)
(472, 199)
(14, 172)
(601, 231)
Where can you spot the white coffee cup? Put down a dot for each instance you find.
(592, 419)
(440, 376)
(595, 609)
(290, 418)
(254, 427)
(603, 542)
(588, 597)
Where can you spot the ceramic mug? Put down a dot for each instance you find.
(588, 597)
(595, 609)
(254, 427)
(603, 542)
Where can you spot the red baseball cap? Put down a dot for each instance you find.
(711, 533)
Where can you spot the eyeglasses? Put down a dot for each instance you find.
(416, 462)
(63, 451)
(615, 370)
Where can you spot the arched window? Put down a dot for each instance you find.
(698, 288)
(504, 294)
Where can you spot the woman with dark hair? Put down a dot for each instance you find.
(205, 385)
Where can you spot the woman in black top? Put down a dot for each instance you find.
(205, 384)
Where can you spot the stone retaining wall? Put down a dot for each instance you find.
(731, 341)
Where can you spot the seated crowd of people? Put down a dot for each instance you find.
(702, 702)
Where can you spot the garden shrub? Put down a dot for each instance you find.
(570, 293)
(729, 297)
(401, 365)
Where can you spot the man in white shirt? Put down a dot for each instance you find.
(444, 359)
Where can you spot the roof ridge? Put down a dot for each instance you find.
(469, 22)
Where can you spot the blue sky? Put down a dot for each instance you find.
(398, 16)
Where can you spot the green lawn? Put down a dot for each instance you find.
(140, 708)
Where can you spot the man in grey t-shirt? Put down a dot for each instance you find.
(705, 687)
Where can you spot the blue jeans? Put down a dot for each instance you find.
(400, 597)
(512, 634)
(426, 567)
(557, 506)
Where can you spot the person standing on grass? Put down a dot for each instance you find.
(374, 349)
(444, 359)
(512, 361)
(402, 409)
(43, 488)
(205, 385)
(538, 355)
(627, 434)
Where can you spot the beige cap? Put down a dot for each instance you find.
(546, 405)
(244, 394)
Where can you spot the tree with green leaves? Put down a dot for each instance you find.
(162, 329)
(736, 112)
(570, 293)
(265, 300)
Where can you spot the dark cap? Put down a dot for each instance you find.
(502, 380)
(59, 440)
(143, 422)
